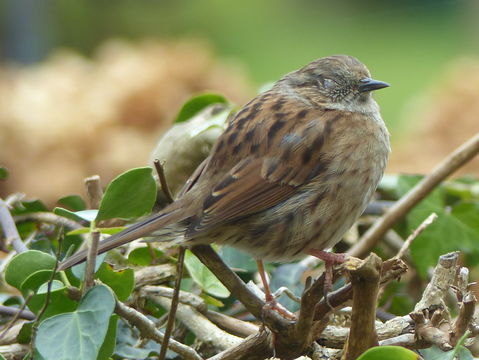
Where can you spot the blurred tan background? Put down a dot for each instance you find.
(88, 87)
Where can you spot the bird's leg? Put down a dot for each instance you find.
(269, 298)
(330, 259)
(267, 291)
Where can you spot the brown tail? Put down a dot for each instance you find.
(135, 231)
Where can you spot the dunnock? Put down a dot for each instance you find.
(289, 176)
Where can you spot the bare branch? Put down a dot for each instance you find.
(365, 280)
(148, 330)
(429, 220)
(443, 277)
(94, 191)
(49, 218)
(164, 185)
(91, 261)
(236, 286)
(13, 311)
(9, 228)
(174, 303)
(155, 274)
(204, 330)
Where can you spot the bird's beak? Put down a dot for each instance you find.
(368, 84)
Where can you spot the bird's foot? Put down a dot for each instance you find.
(271, 303)
(330, 259)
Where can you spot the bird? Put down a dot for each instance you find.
(293, 170)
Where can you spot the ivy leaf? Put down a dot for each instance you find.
(73, 202)
(453, 230)
(79, 216)
(197, 103)
(130, 195)
(25, 264)
(204, 277)
(79, 334)
(389, 352)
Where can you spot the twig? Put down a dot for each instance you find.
(17, 315)
(237, 287)
(430, 219)
(391, 269)
(161, 176)
(427, 331)
(284, 290)
(466, 314)
(227, 323)
(451, 163)
(205, 331)
(47, 217)
(94, 191)
(174, 303)
(14, 198)
(365, 280)
(91, 261)
(313, 292)
(49, 288)
(147, 329)
(155, 274)
(179, 266)
(12, 311)
(9, 229)
(185, 297)
(14, 351)
(443, 277)
(232, 325)
(255, 347)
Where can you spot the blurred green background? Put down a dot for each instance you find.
(406, 43)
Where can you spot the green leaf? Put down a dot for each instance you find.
(204, 277)
(29, 206)
(107, 230)
(127, 347)
(197, 103)
(218, 121)
(434, 353)
(210, 300)
(25, 264)
(59, 300)
(142, 256)
(72, 202)
(236, 259)
(121, 282)
(109, 344)
(79, 334)
(79, 270)
(389, 352)
(79, 216)
(35, 280)
(130, 195)
(3, 173)
(450, 232)
(25, 334)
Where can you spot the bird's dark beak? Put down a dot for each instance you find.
(368, 84)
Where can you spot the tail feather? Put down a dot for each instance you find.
(133, 232)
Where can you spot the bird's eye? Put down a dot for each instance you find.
(326, 83)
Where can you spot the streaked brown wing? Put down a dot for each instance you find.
(276, 160)
(242, 192)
